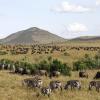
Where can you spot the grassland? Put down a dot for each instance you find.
(11, 88)
(73, 54)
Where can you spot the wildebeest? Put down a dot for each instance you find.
(83, 74)
(97, 76)
(19, 70)
(73, 84)
(46, 91)
(0, 66)
(39, 72)
(22, 71)
(55, 85)
(28, 72)
(55, 74)
(95, 84)
(43, 72)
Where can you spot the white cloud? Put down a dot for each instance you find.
(97, 2)
(2, 36)
(67, 7)
(77, 28)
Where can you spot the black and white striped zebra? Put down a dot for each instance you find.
(46, 91)
(95, 84)
(55, 85)
(32, 82)
(73, 84)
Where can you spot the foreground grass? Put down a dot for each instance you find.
(12, 89)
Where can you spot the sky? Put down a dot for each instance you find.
(66, 18)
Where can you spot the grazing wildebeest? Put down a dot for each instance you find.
(55, 74)
(3, 66)
(32, 82)
(83, 74)
(0, 66)
(46, 91)
(97, 76)
(9, 66)
(73, 84)
(43, 72)
(28, 71)
(13, 68)
(55, 85)
(95, 84)
(39, 72)
(20, 70)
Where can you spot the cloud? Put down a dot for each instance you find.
(67, 7)
(76, 28)
(2, 36)
(97, 2)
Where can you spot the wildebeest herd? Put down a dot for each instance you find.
(43, 49)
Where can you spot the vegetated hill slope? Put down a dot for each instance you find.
(32, 36)
(87, 38)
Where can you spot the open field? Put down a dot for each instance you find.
(12, 89)
(72, 54)
(11, 84)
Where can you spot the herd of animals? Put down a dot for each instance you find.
(53, 85)
(37, 82)
(43, 49)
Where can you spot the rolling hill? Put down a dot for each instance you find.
(32, 35)
(87, 38)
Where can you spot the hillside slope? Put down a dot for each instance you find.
(32, 36)
(87, 38)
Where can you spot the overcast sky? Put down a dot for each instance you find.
(66, 18)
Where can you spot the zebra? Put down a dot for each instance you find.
(32, 82)
(46, 91)
(95, 84)
(73, 84)
(55, 85)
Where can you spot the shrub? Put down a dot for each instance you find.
(78, 65)
(43, 65)
(57, 65)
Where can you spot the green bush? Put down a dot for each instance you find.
(87, 63)
(57, 65)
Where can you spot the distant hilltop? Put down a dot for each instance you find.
(32, 35)
(36, 35)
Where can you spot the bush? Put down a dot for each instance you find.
(79, 65)
(49, 65)
(87, 63)
(43, 65)
(57, 65)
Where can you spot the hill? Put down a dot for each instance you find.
(32, 35)
(87, 38)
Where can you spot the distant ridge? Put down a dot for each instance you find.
(87, 38)
(32, 35)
